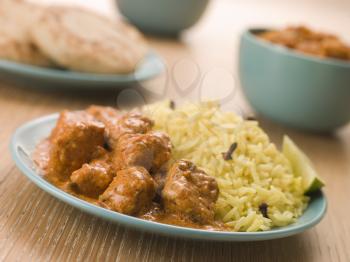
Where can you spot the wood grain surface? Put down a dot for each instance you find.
(36, 227)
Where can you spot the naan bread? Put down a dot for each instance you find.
(84, 41)
(16, 17)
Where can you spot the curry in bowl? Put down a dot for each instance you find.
(307, 41)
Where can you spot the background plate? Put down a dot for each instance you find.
(27, 136)
(42, 77)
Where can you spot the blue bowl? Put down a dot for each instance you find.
(163, 16)
(298, 90)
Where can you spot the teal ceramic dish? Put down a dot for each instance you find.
(41, 77)
(27, 136)
(163, 16)
(298, 90)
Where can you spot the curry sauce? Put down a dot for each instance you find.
(116, 161)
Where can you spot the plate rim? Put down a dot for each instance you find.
(75, 76)
(141, 224)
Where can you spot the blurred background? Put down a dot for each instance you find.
(218, 32)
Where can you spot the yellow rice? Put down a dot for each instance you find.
(258, 173)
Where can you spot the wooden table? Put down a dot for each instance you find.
(35, 226)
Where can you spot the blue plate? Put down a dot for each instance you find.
(42, 77)
(27, 136)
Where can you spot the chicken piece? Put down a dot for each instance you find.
(130, 192)
(151, 151)
(130, 123)
(134, 123)
(93, 178)
(190, 191)
(73, 142)
(105, 114)
(109, 117)
(118, 124)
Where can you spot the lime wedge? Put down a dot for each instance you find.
(301, 166)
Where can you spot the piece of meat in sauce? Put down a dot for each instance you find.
(73, 143)
(118, 124)
(134, 123)
(130, 192)
(151, 151)
(189, 190)
(105, 114)
(93, 178)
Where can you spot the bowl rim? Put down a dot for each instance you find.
(250, 34)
